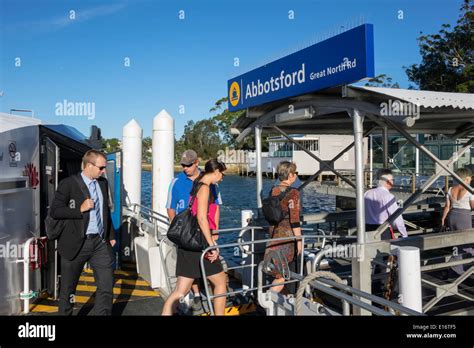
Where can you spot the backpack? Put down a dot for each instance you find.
(271, 207)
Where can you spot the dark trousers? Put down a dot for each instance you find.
(99, 254)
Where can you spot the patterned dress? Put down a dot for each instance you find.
(291, 207)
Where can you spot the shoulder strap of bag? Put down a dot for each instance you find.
(284, 193)
(392, 233)
(194, 194)
(80, 186)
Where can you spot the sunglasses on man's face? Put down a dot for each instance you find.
(101, 167)
(187, 165)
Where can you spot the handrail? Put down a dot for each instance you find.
(161, 241)
(328, 285)
(163, 260)
(319, 256)
(249, 228)
(27, 293)
(230, 245)
(371, 297)
(150, 213)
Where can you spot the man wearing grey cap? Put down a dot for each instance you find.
(179, 194)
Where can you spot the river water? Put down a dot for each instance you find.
(239, 193)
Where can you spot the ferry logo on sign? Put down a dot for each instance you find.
(234, 94)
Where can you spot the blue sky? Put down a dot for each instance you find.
(178, 64)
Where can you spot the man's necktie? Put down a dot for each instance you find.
(95, 198)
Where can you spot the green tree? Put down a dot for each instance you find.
(201, 136)
(447, 57)
(110, 145)
(146, 150)
(382, 80)
(224, 119)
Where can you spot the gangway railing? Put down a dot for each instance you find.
(344, 292)
(249, 243)
(250, 251)
(149, 214)
(164, 239)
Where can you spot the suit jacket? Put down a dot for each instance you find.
(66, 205)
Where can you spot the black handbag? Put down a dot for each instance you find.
(184, 230)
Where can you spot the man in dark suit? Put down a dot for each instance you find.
(83, 201)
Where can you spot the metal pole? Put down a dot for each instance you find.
(258, 148)
(361, 271)
(371, 168)
(357, 119)
(417, 157)
(252, 257)
(385, 146)
(206, 285)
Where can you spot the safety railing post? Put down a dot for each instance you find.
(252, 259)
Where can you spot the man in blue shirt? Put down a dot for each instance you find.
(179, 194)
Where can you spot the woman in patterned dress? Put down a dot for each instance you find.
(290, 225)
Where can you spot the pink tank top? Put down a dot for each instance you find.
(211, 212)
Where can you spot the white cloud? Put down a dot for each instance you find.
(60, 22)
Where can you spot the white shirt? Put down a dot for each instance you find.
(380, 204)
(463, 203)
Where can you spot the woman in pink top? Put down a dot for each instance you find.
(188, 262)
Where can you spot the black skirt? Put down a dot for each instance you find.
(188, 265)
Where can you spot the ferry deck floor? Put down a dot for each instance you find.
(132, 296)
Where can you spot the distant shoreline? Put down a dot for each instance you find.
(231, 168)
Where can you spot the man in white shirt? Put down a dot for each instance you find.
(380, 204)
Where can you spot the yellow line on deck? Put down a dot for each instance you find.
(89, 299)
(237, 310)
(121, 291)
(118, 281)
(38, 308)
(118, 272)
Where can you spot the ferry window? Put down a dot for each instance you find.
(12, 185)
(311, 145)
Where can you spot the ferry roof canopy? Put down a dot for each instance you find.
(326, 112)
(11, 121)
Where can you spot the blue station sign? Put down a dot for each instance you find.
(341, 59)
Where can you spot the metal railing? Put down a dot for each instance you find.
(231, 245)
(340, 292)
(27, 293)
(161, 242)
(250, 251)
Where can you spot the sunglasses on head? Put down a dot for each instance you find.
(101, 167)
(187, 165)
